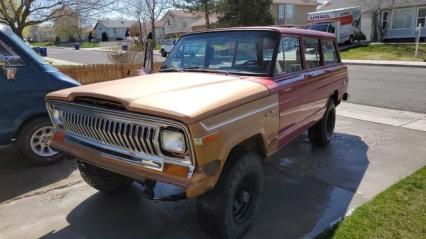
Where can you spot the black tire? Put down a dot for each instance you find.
(163, 53)
(25, 141)
(322, 132)
(229, 209)
(103, 180)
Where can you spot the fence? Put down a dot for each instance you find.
(89, 74)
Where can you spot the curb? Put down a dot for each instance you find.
(384, 63)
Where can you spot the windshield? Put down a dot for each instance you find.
(322, 27)
(22, 45)
(239, 52)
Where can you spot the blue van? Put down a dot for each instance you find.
(25, 79)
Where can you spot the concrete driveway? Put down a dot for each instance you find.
(307, 188)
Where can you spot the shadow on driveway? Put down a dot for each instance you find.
(306, 189)
(19, 177)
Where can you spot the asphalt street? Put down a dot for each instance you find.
(401, 88)
(85, 56)
(306, 189)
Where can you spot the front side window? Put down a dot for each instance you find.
(9, 56)
(402, 18)
(421, 17)
(312, 56)
(288, 57)
(248, 52)
(329, 51)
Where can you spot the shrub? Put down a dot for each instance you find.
(359, 36)
(134, 55)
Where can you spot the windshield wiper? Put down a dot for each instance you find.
(203, 69)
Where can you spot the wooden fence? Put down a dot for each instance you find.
(89, 74)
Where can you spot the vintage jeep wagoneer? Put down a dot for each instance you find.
(224, 99)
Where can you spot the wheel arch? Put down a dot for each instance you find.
(29, 119)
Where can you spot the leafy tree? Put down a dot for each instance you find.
(207, 7)
(57, 40)
(245, 13)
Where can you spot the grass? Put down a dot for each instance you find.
(89, 44)
(397, 52)
(41, 44)
(399, 212)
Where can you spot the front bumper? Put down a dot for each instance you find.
(171, 174)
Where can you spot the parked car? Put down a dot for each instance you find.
(25, 79)
(167, 46)
(224, 100)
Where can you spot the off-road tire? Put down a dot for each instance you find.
(322, 132)
(215, 209)
(24, 143)
(103, 180)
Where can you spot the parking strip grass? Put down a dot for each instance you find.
(396, 52)
(399, 212)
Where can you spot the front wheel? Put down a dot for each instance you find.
(103, 180)
(230, 208)
(322, 132)
(33, 140)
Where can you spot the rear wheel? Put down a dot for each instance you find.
(103, 180)
(322, 132)
(230, 208)
(33, 140)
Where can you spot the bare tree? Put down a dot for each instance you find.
(19, 14)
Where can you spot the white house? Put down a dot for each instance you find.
(398, 18)
(114, 29)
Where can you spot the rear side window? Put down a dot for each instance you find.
(288, 58)
(329, 51)
(312, 56)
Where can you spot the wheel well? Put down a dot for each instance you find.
(335, 97)
(41, 115)
(253, 144)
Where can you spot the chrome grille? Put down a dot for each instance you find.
(135, 137)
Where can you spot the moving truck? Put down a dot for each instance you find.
(343, 22)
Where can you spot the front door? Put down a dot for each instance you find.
(19, 96)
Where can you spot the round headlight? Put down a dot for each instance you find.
(173, 141)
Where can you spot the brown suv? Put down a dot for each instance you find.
(224, 99)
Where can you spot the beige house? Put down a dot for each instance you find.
(200, 24)
(177, 22)
(292, 12)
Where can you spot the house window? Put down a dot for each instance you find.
(289, 10)
(114, 30)
(281, 11)
(385, 20)
(402, 18)
(421, 17)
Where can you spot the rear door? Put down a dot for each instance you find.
(22, 95)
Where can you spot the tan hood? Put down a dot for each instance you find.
(187, 97)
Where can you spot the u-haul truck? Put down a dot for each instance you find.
(343, 22)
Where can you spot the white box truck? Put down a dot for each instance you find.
(343, 22)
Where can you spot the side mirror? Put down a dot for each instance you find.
(8, 72)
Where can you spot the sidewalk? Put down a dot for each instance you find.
(385, 63)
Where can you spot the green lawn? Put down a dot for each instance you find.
(399, 212)
(89, 44)
(396, 52)
(41, 44)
